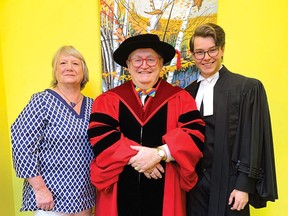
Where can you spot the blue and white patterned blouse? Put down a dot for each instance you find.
(50, 139)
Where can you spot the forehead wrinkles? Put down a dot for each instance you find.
(68, 58)
(143, 52)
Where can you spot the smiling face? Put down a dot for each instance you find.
(208, 65)
(69, 70)
(144, 76)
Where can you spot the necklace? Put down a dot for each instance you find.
(71, 103)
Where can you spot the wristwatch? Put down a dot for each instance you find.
(161, 153)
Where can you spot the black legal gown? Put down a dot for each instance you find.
(243, 148)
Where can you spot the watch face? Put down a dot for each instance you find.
(161, 152)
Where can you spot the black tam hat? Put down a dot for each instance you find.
(165, 50)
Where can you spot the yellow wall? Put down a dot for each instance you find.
(6, 189)
(32, 30)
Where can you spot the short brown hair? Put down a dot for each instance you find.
(209, 30)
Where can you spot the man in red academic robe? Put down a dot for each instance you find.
(146, 137)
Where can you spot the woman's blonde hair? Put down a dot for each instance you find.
(71, 51)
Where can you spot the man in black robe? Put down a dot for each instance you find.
(238, 167)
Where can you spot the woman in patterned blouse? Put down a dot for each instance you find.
(50, 147)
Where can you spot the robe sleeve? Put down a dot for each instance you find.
(111, 149)
(26, 135)
(255, 145)
(185, 138)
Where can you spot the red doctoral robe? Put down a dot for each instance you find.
(116, 119)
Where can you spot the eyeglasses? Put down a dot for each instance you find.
(212, 52)
(150, 61)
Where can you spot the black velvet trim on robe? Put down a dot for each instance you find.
(138, 195)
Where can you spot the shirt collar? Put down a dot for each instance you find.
(209, 79)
